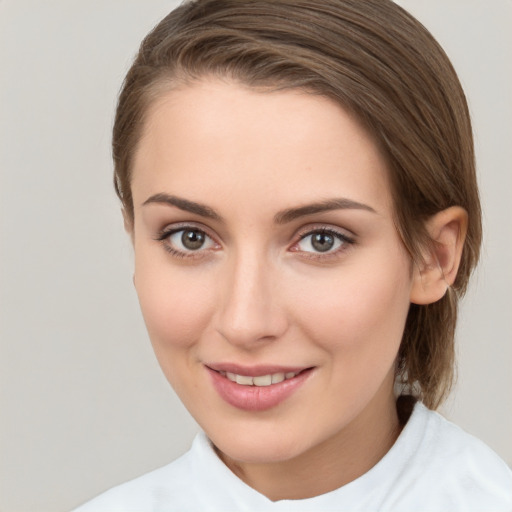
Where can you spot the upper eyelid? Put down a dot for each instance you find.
(314, 228)
(170, 229)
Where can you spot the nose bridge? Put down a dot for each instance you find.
(250, 310)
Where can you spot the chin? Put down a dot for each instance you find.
(263, 442)
(258, 451)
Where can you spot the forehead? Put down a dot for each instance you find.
(273, 147)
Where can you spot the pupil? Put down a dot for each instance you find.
(192, 240)
(322, 242)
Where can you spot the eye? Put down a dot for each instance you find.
(189, 239)
(322, 241)
(186, 241)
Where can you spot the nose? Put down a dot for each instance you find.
(250, 312)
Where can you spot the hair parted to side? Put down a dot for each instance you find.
(377, 62)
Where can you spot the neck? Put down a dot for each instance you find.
(337, 461)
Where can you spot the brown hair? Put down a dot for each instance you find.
(375, 60)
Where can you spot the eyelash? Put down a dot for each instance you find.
(345, 240)
(164, 235)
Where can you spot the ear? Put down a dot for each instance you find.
(438, 270)
(128, 223)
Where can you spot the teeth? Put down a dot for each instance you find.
(277, 377)
(244, 380)
(262, 380)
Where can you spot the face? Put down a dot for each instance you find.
(270, 274)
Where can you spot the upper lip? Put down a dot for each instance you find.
(254, 370)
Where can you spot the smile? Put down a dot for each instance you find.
(262, 380)
(256, 389)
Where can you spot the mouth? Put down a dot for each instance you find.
(260, 380)
(256, 388)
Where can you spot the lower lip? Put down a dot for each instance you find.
(256, 398)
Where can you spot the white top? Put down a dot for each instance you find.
(433, 466)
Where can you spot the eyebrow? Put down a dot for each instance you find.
(282, 217)
(184, 204)
(324, 206)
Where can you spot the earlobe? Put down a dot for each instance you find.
(438, 270)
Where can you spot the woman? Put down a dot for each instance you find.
(298, 181)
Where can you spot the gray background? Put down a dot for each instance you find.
(83, 403)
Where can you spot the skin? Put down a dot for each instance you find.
(257, 293)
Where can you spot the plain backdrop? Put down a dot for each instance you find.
(83, 403)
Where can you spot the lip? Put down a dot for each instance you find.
(256, 398)
(254, 371)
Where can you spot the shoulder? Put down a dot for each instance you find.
(196, 482)
(449, 442)
(169, 484)
(455, 468)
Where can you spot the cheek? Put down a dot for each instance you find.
(176, 305)
(358, 311)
